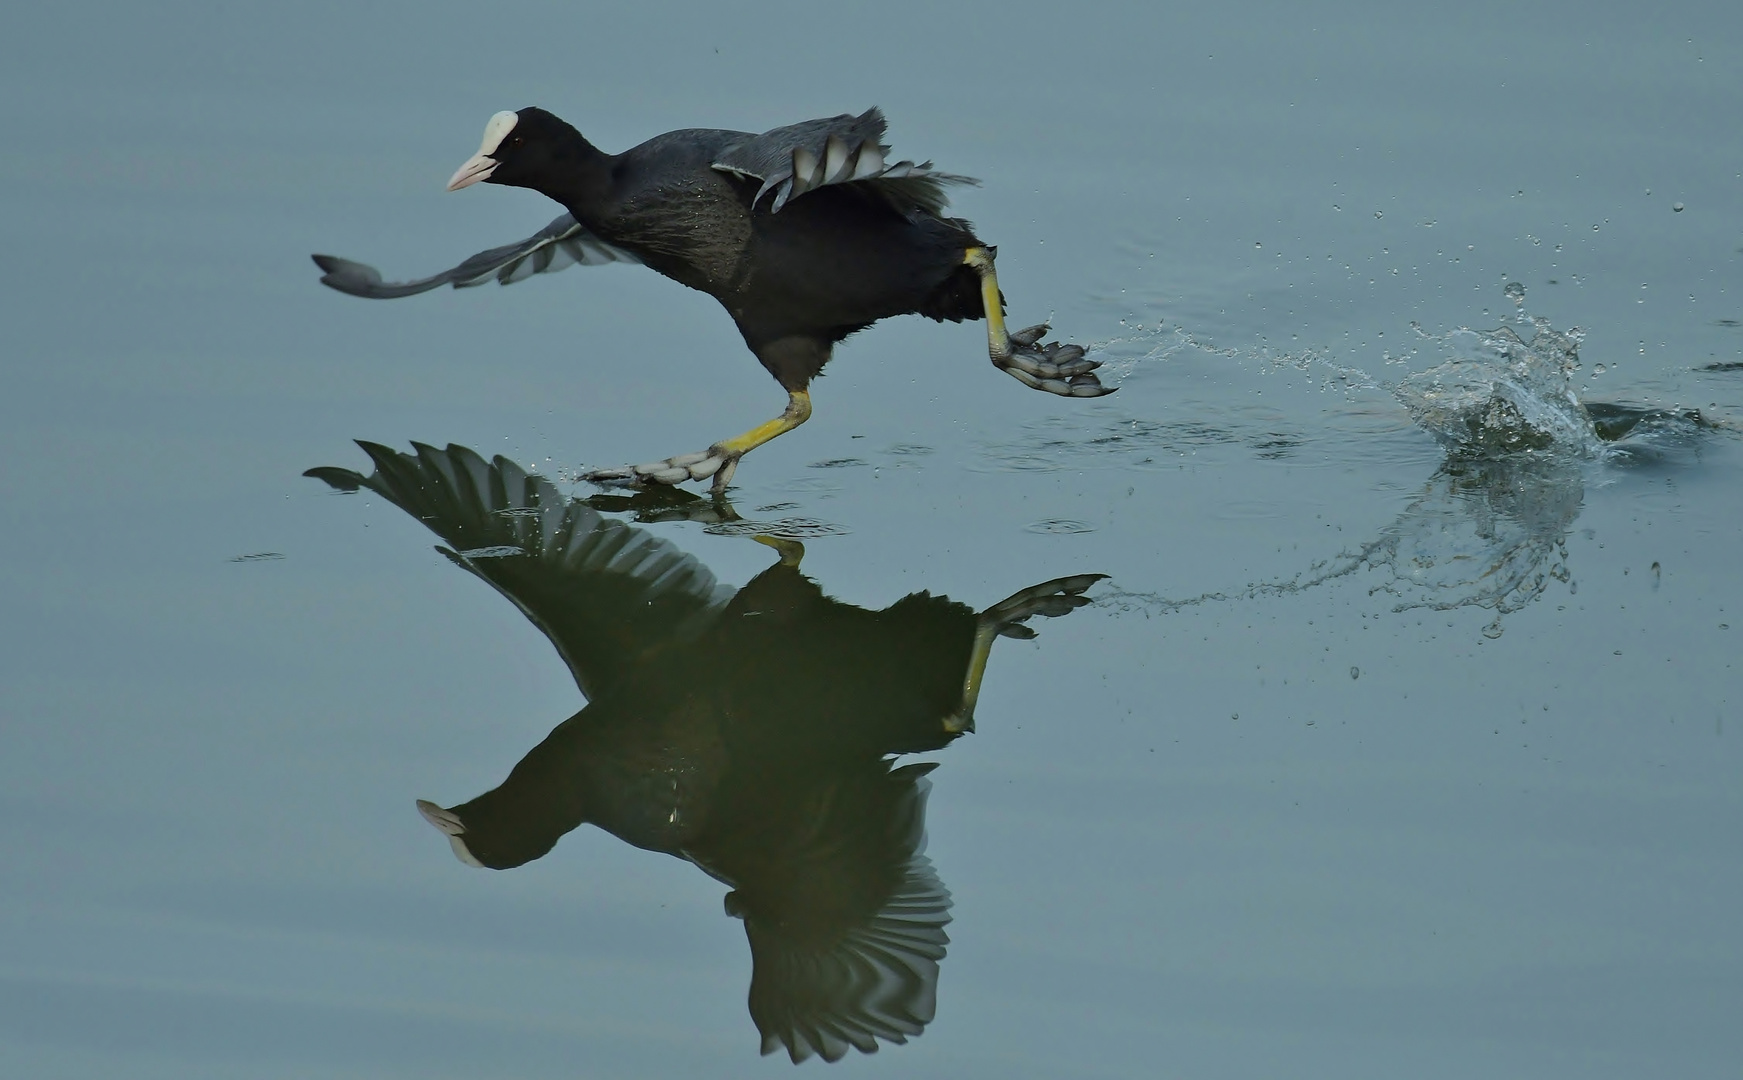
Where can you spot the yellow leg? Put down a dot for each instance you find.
(798, 411)
(998, 340)
(1055, 367)
(718, 461)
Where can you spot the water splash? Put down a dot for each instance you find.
(1503, 392)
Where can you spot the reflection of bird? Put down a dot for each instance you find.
(805, 234)
(749, 733)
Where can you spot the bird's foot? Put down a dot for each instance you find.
(719, 461)
(716, 461)
(1054, 367)
(1050, 599)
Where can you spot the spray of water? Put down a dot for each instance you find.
(1489, 529)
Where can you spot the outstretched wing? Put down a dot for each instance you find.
(793, 160)
(604, 592)
(561, 244)
(846, 935)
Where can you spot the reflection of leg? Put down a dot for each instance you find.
(1049, 599)
(1055, 368)
(718, 461)
(791, 551)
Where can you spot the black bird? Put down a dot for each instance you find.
(805, 234)
(746, 732)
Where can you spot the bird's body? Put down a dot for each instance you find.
(795, 282)
(804, 234)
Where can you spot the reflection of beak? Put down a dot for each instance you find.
(477, 167)
(450, 823)
(442, 819)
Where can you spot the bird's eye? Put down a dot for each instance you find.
(515, 142)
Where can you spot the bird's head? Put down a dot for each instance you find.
(519, 149)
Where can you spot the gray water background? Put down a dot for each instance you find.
(1308, 794)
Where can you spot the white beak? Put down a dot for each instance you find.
(480, 165)
(477, 167)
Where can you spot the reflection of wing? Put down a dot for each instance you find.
(603, 592)
(841, 149)
(561, 244)
(845, 943)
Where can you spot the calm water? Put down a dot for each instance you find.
(1401, 739)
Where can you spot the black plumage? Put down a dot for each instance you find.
(805, 234)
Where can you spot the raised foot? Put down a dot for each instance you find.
(1050, 599)
(1054, 367)
(714, 461)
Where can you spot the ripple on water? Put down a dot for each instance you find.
(1059, 527)
(793, 528)
(1061, 443)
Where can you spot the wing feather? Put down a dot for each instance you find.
(557, 246)
(791, 161)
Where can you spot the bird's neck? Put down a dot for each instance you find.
(582, 178)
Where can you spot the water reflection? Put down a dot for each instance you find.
(1484, 532)
(1489, 529)
(749, 732)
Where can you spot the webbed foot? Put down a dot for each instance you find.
(719, 461)
(701, 465)
(1054, 367)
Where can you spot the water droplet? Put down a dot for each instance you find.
(1676, 207)
(1355, 672)
(1594, 228)
(1515, 292)
(1257, 245)
(1379, 214)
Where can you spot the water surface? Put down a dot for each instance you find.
(1400, 738)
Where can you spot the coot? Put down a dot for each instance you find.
(805, 234)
